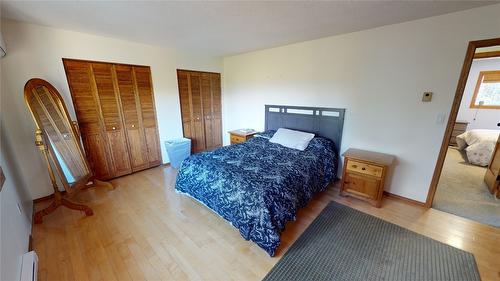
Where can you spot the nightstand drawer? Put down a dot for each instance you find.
(367, 187)
(364, 168)
(237, 139)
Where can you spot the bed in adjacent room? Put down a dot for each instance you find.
(259, 185)
(478, 145)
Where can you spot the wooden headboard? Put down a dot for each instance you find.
(321, 121)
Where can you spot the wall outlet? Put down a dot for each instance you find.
(427, 97)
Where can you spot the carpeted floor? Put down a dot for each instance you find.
(462, 191)
(344, 244)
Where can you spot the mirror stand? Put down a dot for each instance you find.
(59, 199)
(58, 139)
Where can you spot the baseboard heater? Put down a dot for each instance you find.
(29, 267)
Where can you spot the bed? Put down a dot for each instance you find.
(478, 145)
(258, 186)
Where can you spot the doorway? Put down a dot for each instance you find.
(467, 173)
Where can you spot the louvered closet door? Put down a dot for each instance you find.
(200, 99)
(185, 100)
(111, 115)
(216, 109)
(132, 117)
(197, 126)
(206, 95)
(144, 88)
(80, 80)
(211, 110)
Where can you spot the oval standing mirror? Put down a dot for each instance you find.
(59, 135)
(58, 139)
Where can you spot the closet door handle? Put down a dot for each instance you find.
(133, 126)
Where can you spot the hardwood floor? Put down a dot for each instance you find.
(143, 230)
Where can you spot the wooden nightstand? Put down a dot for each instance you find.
(459, 128)
(238, 136)
(364, 175)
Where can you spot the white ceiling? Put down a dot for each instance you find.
(224, 28)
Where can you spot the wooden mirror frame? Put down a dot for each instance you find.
(50, 156)
(469, 57)
(81, 182)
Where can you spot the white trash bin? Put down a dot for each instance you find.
(178, 150)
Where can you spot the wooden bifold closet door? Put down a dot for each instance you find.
(200, 100)
(114, 105)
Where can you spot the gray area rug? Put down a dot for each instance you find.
(461, 191)
(344, 244)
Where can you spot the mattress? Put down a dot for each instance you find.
(478, 145)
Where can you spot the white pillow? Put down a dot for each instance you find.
(292, 139)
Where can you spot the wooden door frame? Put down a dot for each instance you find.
(469, 57)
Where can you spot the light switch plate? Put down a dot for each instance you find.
(427, 97)
(441, 118)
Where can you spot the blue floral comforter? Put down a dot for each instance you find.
(257, 185)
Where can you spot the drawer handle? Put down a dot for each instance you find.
(354, 166)
(114, 128)
(363, 168)
(133, 126)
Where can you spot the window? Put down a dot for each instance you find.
(487, 92)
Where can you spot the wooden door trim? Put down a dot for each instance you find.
(197, 71)
(104, 62)
(469, 57)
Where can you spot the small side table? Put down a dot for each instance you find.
(241, 135)
(364, 175)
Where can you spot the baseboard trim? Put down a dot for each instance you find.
(404, 199)
(45, 198)
(386, 194)
(48, 197)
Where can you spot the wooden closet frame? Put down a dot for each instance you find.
(201, 99)
(469, 57)
(120, 110)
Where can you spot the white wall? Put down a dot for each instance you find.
(378, 75)
(36, 51)
(485, 118)
(15, 207)
(15, 224)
